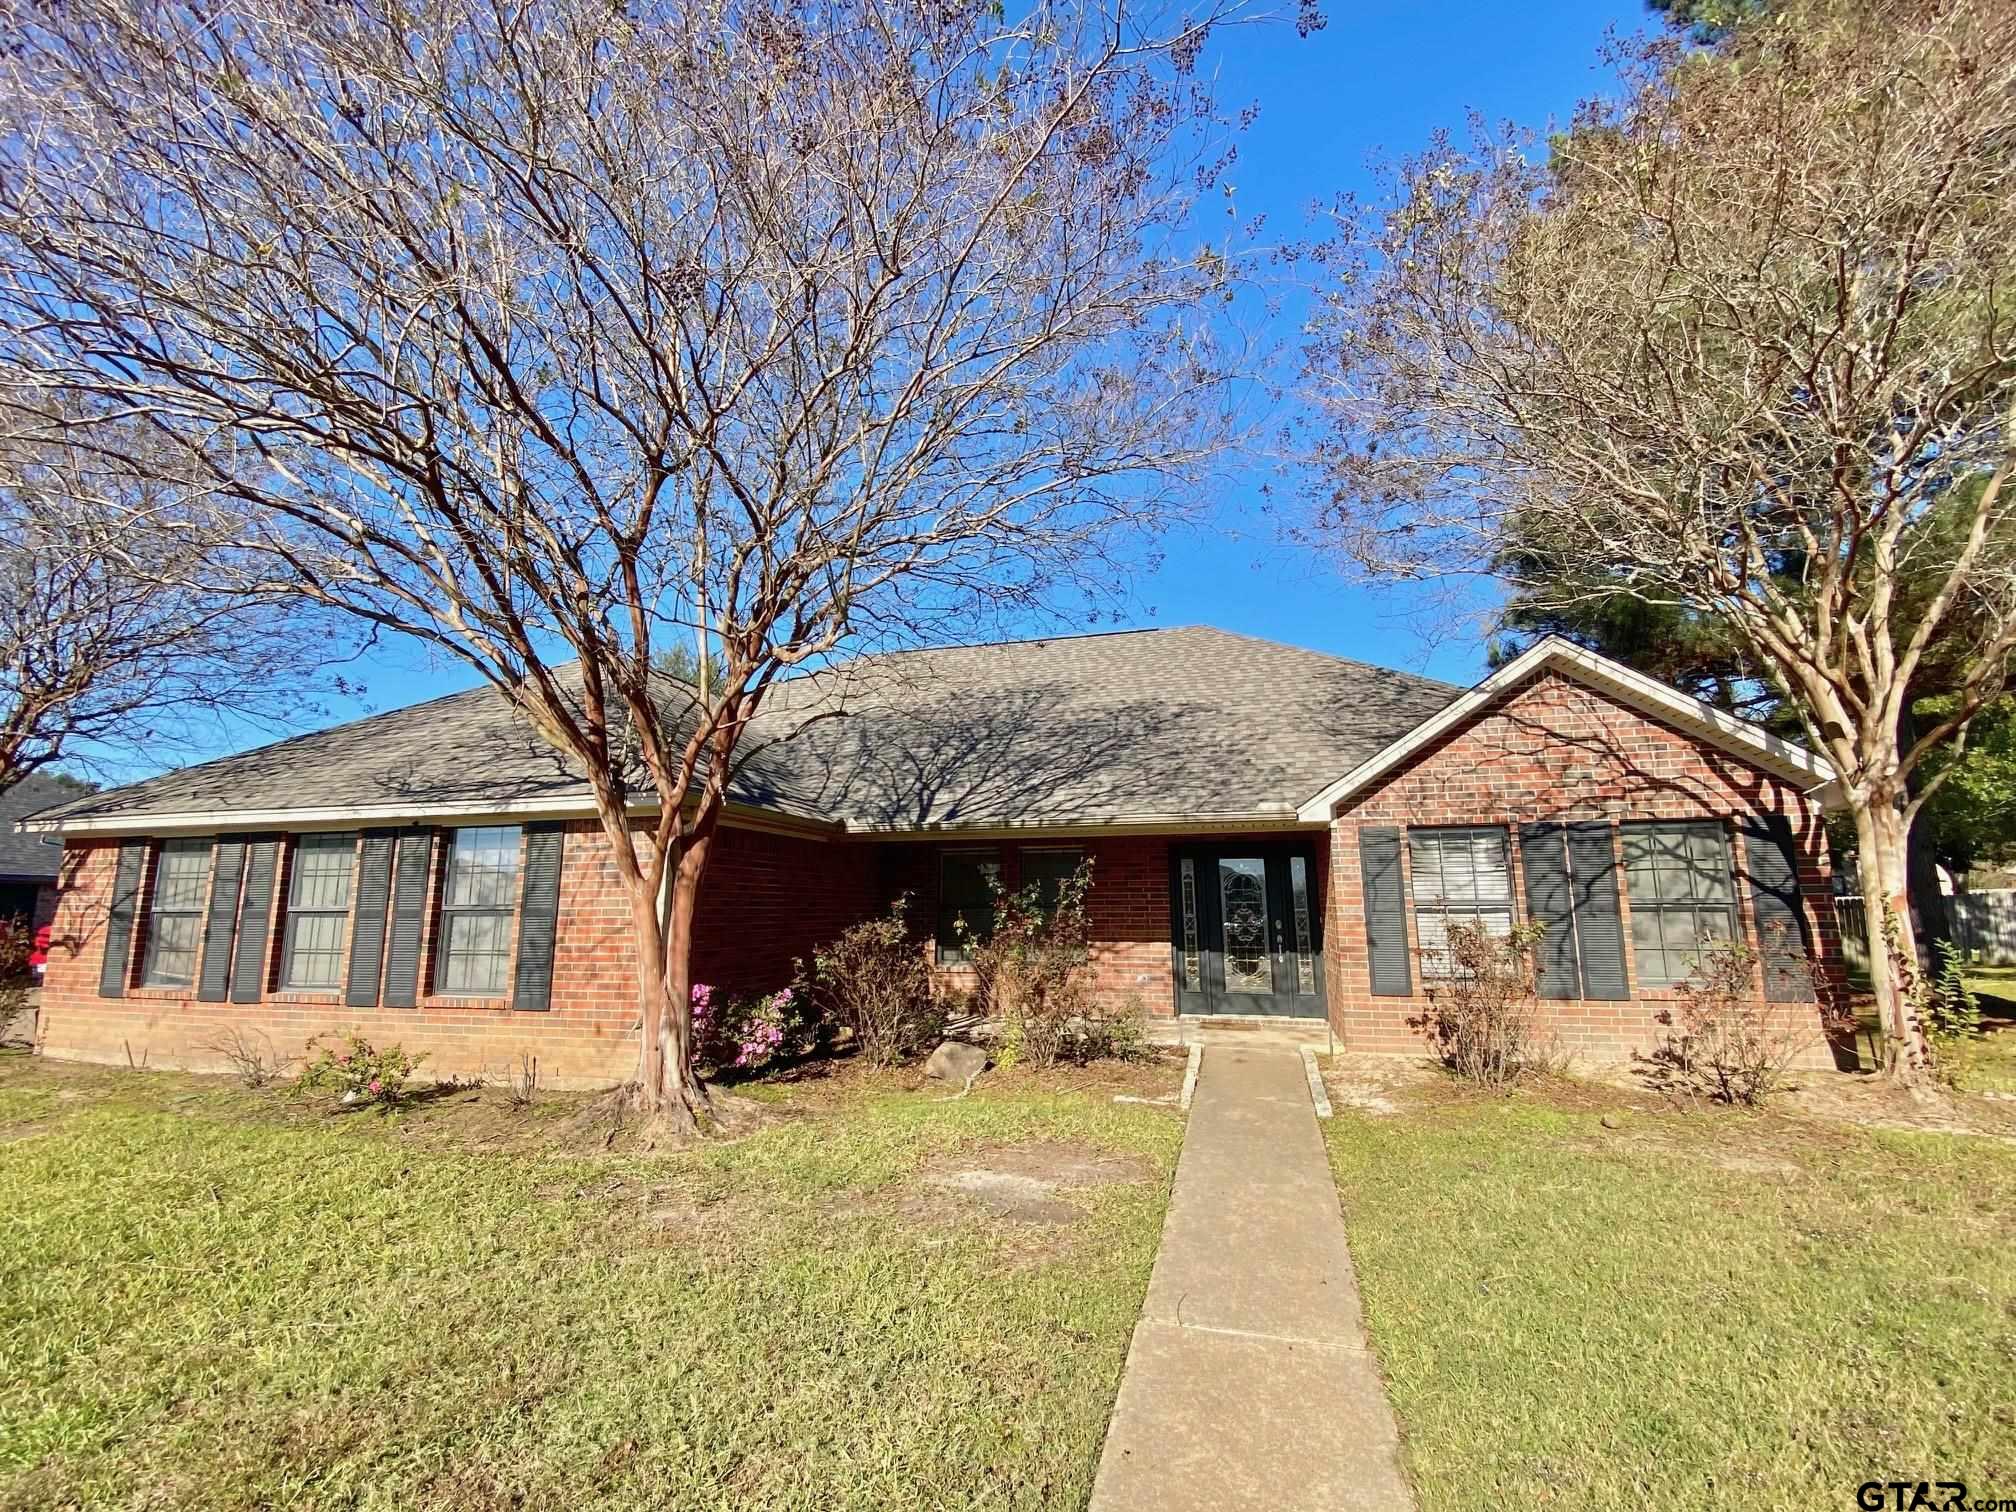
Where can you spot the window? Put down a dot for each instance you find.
(477, 897)
(175, 922)
(1047, 871)
(1682, 899)
(965, 892)
(318, 910)
(1459, 876)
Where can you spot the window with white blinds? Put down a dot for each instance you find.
(1459, 876)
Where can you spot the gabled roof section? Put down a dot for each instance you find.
(1185, 726)
(1717, 727)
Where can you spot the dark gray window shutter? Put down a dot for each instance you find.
(1784, 939)
(367, 926)
(255, 921)
(409, 918)
(538, 919)
(227, 866)
(1385, 912)
(1599, 924)
(1550, 903)
(119, 919)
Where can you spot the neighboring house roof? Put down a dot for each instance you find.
(1148, 727)
(25, 857)
(1723, 730)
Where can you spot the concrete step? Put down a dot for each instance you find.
(1240, 1029)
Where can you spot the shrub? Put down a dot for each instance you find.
(1952, 1018)
(250, 1056)
(359, 1073)
(875, 982)
(1121, 1034)
(747, 1034)
(1032, 979)
(1482, 1021)
(1724, 1043)
(523, 1087)
(17, 981)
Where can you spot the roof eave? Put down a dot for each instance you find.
(344, 816)
(1739, 737)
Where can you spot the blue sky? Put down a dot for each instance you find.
(1379, 79)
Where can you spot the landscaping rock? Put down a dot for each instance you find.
(956, 1061)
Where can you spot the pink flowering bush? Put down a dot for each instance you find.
(747, 1034)
(354, 1071)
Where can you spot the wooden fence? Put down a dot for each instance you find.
(1984, 927)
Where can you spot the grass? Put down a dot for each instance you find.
(1991, 1061)
(209, 1298)
(1694, 1309)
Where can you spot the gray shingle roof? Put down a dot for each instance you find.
(1190, 723)
(1182, 723)
(25, 858)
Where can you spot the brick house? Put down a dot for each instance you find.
(1272, 832)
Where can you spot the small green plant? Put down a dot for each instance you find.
(357, 1073)
(1952, 1018)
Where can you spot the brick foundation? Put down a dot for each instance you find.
(1556, 750)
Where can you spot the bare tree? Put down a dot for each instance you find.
(123, 640)
(569, 331)
(1740, 341)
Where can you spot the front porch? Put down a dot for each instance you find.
(1226, 928)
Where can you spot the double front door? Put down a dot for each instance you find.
(1246, 924)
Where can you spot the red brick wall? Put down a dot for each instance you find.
(1128, 903)
(768, 898)
(1128, 906)
(1556, 750)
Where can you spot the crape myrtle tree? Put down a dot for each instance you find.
(1738, 342)
(563, 334)
(124, 638)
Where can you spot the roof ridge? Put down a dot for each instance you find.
(1331, 656)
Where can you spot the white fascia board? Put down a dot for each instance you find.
(1738, 737)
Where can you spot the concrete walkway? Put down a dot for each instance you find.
(1248, 1383)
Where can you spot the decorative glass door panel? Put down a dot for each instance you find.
(1244, 930)
(1242, 901)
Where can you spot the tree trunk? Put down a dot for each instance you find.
(668, 1087)
(1882, 854)
(1931, 914)
(682, 1087)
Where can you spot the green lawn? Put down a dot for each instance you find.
(211, 1299)
(1692, 1310)
(1991, 1063)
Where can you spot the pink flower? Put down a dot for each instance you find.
(376, 1086)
